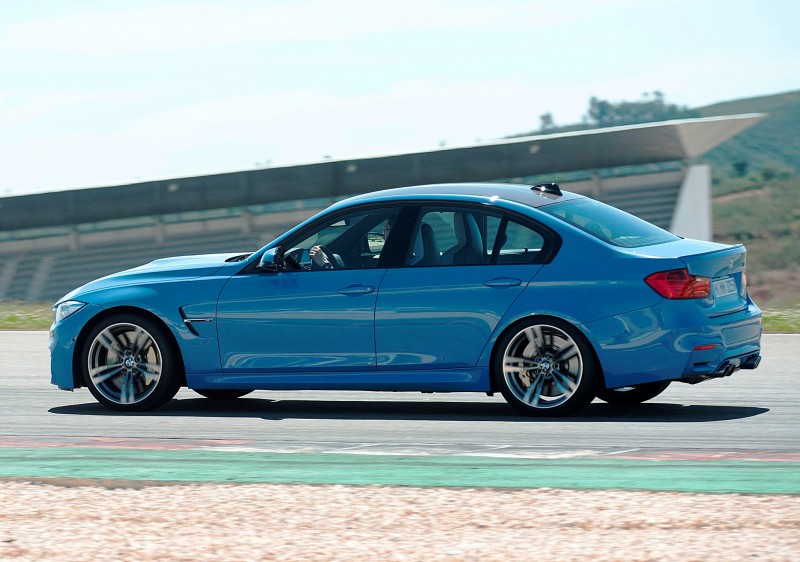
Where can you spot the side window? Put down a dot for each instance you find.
(353, 241)
(448, 237)
(467, 236)
(516, 243)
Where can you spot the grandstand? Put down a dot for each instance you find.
(53, 242)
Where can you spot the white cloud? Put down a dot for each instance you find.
(171, 27)
(18, 110)
(407, 75)
(287, 127)
(307, 124)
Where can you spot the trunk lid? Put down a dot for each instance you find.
(722, 263)
(726, 268)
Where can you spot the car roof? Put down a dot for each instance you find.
(480, 192)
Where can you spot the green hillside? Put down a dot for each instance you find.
(765, 217)
(769, 149)
(756, 184)
(757, 194)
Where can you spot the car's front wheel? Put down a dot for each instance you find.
(632, 394)
(129, 364)
(545, 367)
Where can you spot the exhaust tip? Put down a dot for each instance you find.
(751, 362)
(724, 370)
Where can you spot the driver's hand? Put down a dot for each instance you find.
(319, 258)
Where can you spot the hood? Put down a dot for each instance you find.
(165, 269)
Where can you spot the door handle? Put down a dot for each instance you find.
(356, 290)
(502, 282)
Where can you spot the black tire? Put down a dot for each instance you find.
(545, 367)
(129, 363)
(221, 393)
(632, 394)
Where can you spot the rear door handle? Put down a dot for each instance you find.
(356, 290)
(502, 282)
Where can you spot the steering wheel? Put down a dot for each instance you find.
(328, 255)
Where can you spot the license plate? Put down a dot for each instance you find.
(724, 287)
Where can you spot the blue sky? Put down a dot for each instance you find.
(99, 92)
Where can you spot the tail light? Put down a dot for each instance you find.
(679, 284)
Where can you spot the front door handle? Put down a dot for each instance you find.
(356, 290)
(502, 282)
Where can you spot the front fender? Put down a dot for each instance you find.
(171, 303)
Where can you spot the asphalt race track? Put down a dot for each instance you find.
(752, 410)
(752, 413)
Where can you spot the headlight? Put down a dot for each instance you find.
(66, 308)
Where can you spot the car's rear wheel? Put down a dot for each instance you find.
(545, 367)
(221, 393)
(632, 394)
(129, 364)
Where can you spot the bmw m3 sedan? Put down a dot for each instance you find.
(550, 298)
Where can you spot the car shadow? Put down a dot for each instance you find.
(269, 409)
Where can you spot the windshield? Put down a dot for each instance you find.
(608, 223)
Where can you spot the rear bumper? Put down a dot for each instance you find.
(726, 368)
(676, 343)
(725, 348)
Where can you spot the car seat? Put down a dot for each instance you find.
(468, 248)
(426, 251)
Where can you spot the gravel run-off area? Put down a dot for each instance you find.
(93, 520)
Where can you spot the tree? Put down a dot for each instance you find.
(652, 107)
(547, 122)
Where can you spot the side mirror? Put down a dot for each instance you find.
(272, 260)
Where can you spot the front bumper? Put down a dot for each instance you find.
(62, 345)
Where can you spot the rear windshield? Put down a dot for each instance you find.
(608, 223)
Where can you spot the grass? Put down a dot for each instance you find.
(16, 315)
(782, 321)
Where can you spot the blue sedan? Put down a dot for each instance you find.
(548, 297)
